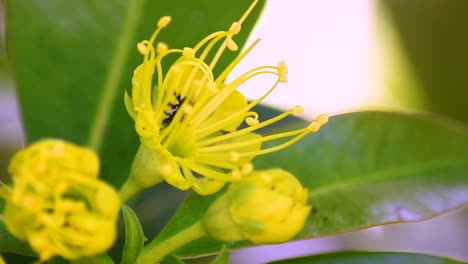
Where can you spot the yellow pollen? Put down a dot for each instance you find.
(231, 45)
(142, 48)
(251, 121)
(282, 69)
(322, 119)
(282, 79)
(164, 21)
(212, 88)
(161, 48)
(234, 156)
(235, 28)
(298, 110)
(314, 126)
(236, 175)
(247, 168)
(188, 52)
(266, 178)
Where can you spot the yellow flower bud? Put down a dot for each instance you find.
(265, 207)
(57, 203)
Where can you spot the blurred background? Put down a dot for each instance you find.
(346, 56)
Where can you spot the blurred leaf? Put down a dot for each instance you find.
(10, 244)
(134, 236)
(434, 37)
(362, 169)
(171, 259)
(353, 257)
(222, 257)
(73, 61)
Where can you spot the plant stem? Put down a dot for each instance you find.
(155, 251)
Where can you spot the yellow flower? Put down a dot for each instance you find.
(188, 121)
(57, 203)
(265, 207)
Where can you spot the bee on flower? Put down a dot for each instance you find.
(188, 119)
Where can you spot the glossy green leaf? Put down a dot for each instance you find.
(353, 257)
(134, 236)
(73, 61)
(363, 169)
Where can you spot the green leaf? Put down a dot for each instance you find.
(434, 37)
(134, 237)
(10, 244)
(71, 83)
(171, 259)
(362, 169)
(223, 256)
(98, 259)
(353, 257)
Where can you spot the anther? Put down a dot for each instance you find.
(251, 121)
(161, 48)
(322, 119)
(298, 110)
(314, 126)
(188, 52)
(231, 45)
(142, 48)
(236, 175)
(212, 88)
(247, 168)
(235, 28)
(164, 21)
(234, 156)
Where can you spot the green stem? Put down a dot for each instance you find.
(144, 173)
(128, 189)
(155, 251)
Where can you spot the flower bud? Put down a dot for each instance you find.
(265, 207)
(57, 203)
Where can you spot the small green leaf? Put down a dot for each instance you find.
(10, 244)
(99, 259)
(223, 256)
(362, 169)
(353, 257)
(171, 259)
(134, 237)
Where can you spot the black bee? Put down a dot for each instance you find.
(173, 111)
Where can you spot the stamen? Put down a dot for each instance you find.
(188, 52)
(225, 147)
(236, 175)
(142, 47)
(212, 88)
(251, 121)
(164, 21)
(298, 110)
(235, 28)
(231, 45)
(202, 170)
(247, 168)
(246, 14)
(234, 156)
(275, 119)
(161, 48)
